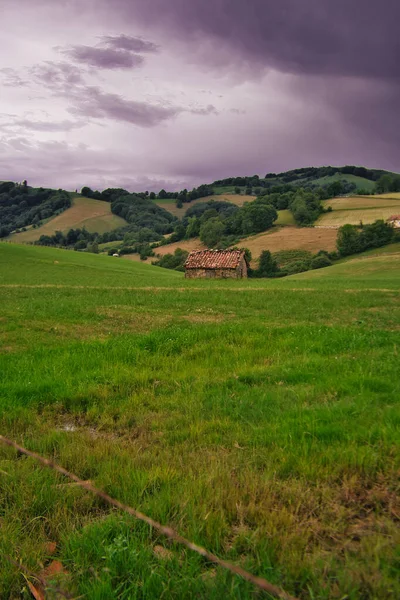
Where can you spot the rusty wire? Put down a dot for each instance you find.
(168, 532)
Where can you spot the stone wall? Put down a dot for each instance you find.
(238, 273)
(212, 273)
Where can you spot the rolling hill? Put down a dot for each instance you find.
(93, 215)
(354, 209)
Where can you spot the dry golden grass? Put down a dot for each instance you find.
(291, 238)
(354, 209)
(94, 215)
(285, 238)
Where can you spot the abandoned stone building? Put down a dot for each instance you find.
(216, 264)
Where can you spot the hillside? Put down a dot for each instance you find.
(93, 215)
(258, 418)
(169, 204)
(354, 209)
(285, 238)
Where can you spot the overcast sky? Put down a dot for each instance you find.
(146, 94)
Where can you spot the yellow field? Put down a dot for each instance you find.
(359, 208)
(282, 238)
(170, 205)
(291, 238)
(94, 215)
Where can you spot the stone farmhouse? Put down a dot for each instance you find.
(395, 221)
(216, 264)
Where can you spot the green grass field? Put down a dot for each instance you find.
(93, 215)
(360, 182)
(259, 418)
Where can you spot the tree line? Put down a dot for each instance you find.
(22, 206)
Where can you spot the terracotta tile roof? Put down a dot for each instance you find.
(214, 259)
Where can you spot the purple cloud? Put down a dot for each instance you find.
(315, 36)
(105, 58)
(11, 78)
(48, 126)
(57, 75)
(129, 43)
(96, 104)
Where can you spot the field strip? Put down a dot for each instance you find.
(168, 532)
(183, 289)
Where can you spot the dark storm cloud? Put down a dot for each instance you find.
(328, 37)
(105, 58)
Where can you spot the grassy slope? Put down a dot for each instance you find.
(360, 208)
(94, 215)
(283, 238)
(360, 182)
(260, 418)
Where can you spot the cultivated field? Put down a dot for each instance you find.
(94, 215)
(259, 418)
(170, 205)
(283, 238)
(354, 209)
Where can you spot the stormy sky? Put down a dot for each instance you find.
(146, 94)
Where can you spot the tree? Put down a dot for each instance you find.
(162, 194)
(193, 227)
(93, 247)
(152, 196)
(384, 184)
(257, 217)
(348, 240)
(211, 232)
(237, 190)
(87, 192)
(267, 265)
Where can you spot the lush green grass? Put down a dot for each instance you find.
(259, 418)
(360, 182)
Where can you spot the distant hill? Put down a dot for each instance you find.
(84, 213)
(357, 179)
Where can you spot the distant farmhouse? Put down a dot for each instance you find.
(395, 221)
(216, 264)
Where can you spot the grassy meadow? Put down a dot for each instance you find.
(354, 209)
(260, 418)
(93, 215)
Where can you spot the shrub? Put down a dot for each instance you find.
(319, 262)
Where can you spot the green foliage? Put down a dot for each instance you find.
(173, 261)
(256, 217)
(353, 239)
(21, 206)
(388, 183)
(267, 265)
(285, 257)
(93, 247)
(212, 231)
(319, 262)
(142, 212)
